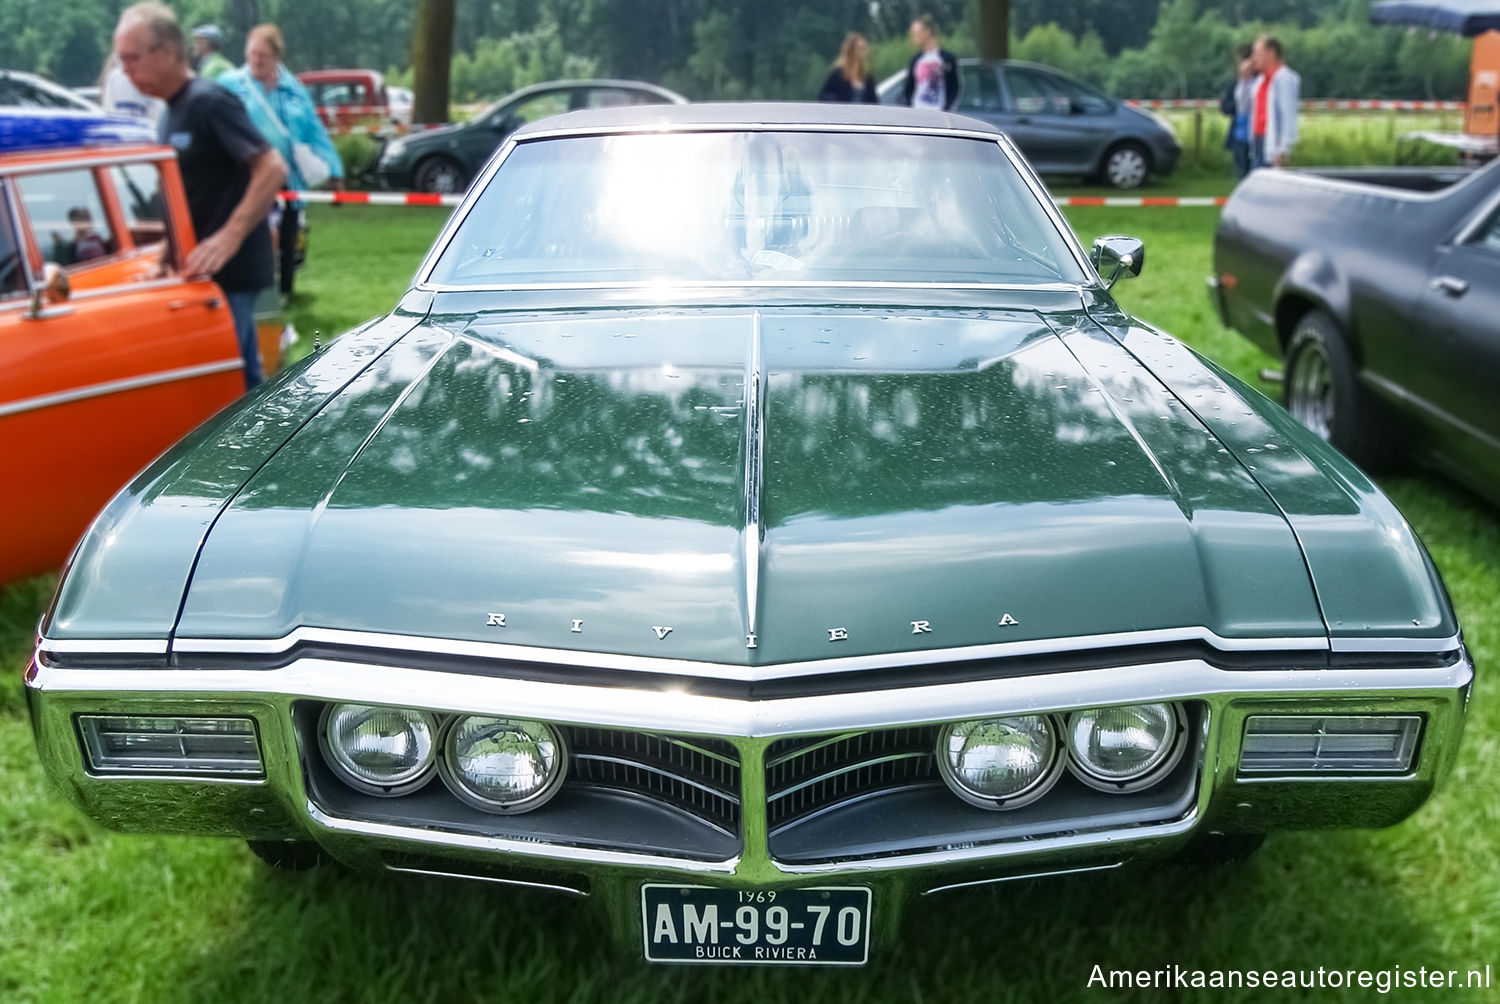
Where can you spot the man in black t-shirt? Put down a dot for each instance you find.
(229, 171)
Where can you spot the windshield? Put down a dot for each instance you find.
(724, 206)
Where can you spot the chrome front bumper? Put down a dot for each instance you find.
(282, 806)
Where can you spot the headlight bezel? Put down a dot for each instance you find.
(452, 779)
(345, 771)
(1053, 770)
(1175, 746)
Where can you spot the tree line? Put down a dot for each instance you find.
(781, 49)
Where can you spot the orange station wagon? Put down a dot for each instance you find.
(108, 352)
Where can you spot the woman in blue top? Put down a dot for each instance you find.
(284, 112)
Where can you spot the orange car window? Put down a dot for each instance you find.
(68, 218)
(142, 203)
(12, 270)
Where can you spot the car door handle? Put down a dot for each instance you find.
(1024, 120)
(211, 302)
(1450, 284)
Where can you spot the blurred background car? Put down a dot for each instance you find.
(27, 90)
(446, 159)
(1061, 124)
(401, 101)
(351, 99)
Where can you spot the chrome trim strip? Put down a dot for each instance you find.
(112, 646)
(656, 710)
(732, 797)
(755, 443)
(723, 671)
(487, 878)
(1022, 877)
(523, 848)
(1400, 645)
(827, 741)
(687, 127)
(664, 290)
(118, 386)
(773, 795)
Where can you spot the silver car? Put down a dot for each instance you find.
(1061, 124)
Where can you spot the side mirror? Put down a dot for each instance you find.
(1117, 258)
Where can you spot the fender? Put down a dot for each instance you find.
(1313, 277)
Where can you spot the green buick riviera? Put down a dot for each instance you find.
(753, 517)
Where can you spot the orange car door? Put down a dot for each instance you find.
(95, 385)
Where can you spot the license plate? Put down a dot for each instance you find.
(829, 927)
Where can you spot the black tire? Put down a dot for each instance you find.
(1214, 849)
(1125, 166)
(289, 855)
(1322, 391)
(440, 174)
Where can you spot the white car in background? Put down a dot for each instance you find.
(27, 90)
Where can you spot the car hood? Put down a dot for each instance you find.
(753, 487)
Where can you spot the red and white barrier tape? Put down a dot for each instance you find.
(434, 199)
(1319, 104)
(376, 198)
(1140, 201)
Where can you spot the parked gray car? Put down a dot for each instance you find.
(1062, 125)
(447, 158)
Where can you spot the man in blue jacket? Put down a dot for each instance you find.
(932, 75)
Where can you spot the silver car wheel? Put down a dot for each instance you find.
(1310, 394)
(1126, 167)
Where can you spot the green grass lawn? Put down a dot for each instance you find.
(86, 914)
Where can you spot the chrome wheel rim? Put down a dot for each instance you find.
(1310, 389)
(1126, 168)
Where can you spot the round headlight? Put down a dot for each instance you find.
(381, 751)
(999, 763)
(1124, 748)
(502, 764)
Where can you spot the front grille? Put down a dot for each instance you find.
(806, 776)
(698, 776)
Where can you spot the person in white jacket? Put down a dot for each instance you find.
(1273, 118)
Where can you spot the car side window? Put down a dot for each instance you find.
(1035, 93)
(980, 91)
(542, 106)
(1084, 99)
(67, 218)
(610, 97)
(1488, 236)
(12, 272)
(142, 204)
